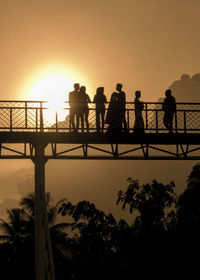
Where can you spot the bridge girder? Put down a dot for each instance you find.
(21, 145)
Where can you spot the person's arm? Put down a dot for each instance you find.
(69, 98)
(164, 105)
(88, 99)
(174, 105)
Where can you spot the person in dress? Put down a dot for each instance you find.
(113, 116)
(139, 106)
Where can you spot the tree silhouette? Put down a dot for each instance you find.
(150, 200)
(18, 233)
(162, 241)
(94, 234)
(184, 230)
(18, 239)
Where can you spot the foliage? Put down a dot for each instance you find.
(162, 241)
(150, 200)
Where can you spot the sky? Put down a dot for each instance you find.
(145, 45)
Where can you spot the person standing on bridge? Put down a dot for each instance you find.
(122, 105)
(73, 106)
(139, 106)
(100, 100)
(84, 109)
(169, 108)
(114, 116)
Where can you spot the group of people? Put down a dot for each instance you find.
(116, 112)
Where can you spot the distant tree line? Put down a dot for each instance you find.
(163, 242)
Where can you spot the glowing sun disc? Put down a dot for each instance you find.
(53, 89)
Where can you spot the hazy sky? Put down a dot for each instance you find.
(143, 44)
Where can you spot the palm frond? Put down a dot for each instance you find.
(61, 226)
(5, 238)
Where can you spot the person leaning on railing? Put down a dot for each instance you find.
(100, 100)
(169, 107)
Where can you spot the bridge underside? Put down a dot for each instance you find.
(148, 146)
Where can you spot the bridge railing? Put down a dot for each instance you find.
(38, 116)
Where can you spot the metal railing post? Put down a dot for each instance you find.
(10, 119)
(146, 115)
(41, 118)
(176, 125)
(185, 129)
(156, 121)
(26, 115)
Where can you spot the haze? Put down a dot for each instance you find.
(144, 45)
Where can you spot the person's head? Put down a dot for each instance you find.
(168, 92)
(119, 87)
(76, 86)
(138, 93)
(82, 89)
(100, 90)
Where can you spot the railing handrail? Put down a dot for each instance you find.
(67, 102)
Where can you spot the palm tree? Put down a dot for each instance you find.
(62, 245)
(18, 233)
(18, 241)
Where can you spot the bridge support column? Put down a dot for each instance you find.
(44, 266)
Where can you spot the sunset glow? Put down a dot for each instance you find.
(52, 84)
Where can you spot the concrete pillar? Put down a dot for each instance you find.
(44, 267)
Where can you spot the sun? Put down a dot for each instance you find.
(52, 84)
(54, 89)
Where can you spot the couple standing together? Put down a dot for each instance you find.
(79, 110)
(116, 115)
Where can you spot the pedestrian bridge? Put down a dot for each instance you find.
(25, 124)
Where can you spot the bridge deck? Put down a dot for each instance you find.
(101, 138)
(161, 146)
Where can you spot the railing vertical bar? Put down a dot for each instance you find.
(41, 117)
(176, 125)
(185, 129)
(26, 115)
(36, 115)
(146, 115)
(128, 119)
(11, 119)
(156, 121)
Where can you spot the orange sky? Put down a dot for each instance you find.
(143, 44)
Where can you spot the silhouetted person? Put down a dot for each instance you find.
(79, 110)
(139, 106)
(73, 106)
(169, 107)
(85, 109)
(113, 116)
(100, 100)
(122, 101)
